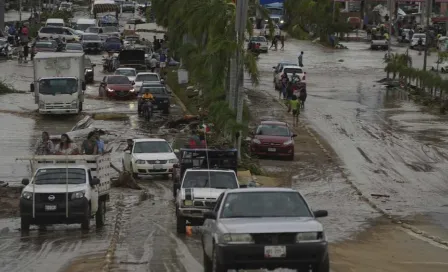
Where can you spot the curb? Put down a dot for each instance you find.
(178, 101)
(365, 198)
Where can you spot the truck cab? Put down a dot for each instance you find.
(59, 82)
(66, 190)
(199, 192)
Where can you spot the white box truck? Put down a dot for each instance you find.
(59, 84)
(66, 190)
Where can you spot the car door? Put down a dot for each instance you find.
(209, 228)
(67, 35)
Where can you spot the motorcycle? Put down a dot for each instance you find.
(147, 109)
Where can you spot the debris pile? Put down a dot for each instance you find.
(125, 180)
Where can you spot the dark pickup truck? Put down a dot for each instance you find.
(92, 43)
(203, 159)
(160, 94)
(132, 58)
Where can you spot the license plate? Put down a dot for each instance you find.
(50, 208)
(157, 167)
(272, 149)
(274, 251)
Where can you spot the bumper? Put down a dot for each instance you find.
(152, 169)
(122, 94)
(272, 151)
(252, 256)
(76, 212)
(59, 111)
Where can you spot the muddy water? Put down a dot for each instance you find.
(389, 145)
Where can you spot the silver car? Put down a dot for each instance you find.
(269, 228)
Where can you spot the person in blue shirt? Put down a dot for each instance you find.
(99, 142)
(162, 61)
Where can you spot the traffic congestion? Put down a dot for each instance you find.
(106, 167)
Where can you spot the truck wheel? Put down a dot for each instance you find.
(207, 263)
(24, 224)
(181, 224)
(216, 266)
(174, 191)
(85, 224)
(101, 214)
(324, 266)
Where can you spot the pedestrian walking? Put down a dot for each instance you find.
(153, 63)
(273, 42)
(301, 59)
(294, 106)
(162, 61)
(26, 50)
(285, 81)
(282, 40)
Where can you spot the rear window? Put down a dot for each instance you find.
(147, 77)
(113, 40)
(153, 90)
(258, 39)
(52, 30)
(293, 70)
(73, 46)
(44, 45)
(91, 37)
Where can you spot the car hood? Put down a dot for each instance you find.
(131, 78)
(204, 193)
(272, 139)
(154, 156)
(120, 87)
(55, 188)
(271, 225)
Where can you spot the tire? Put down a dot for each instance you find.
(85, 224)
(174, 191)
(442, 70)
(324, 266)
(134, 175)
(80, 106)
(181, 224)
(291, 158)
(24, 224)
(216, 266)
(100, 215)
(207, 263)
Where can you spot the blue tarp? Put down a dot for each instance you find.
(268, 2)
(109, 19)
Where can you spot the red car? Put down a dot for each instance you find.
(117, 86)
(273, 138)
(45, 46)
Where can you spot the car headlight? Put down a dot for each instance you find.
(304, 237)
(173, 161)
(89, 70)
(132, 90)
(109, 90)
(188, 202)
(41, 105)
(140, 162)
(290, 142)
(78, 195)
(27, 195)
(256, 141)
(281, 22)
(74, 104)
(237, 238)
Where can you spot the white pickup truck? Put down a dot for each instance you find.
(66, 190)
(198, 194)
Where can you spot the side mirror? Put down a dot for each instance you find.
(32, 87)
(25, 181)
(320, 213)
(83, 86)
(95, 181)
(210, 215)
(294, 135)
(127, 152)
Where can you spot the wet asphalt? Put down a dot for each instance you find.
(388, 144)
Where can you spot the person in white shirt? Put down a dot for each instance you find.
(153, 63)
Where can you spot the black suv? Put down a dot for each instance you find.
(160, 94)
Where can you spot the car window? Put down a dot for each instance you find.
(264, 204)
(212, 179)
(125, 72)
(51, 30)
(218, 203)
(292, 70)
(91, 38)
(113, 40)
(44, 45)
(147, 77)
(67, 32)
(73, 46)
(118, 80)
(273, 130)
(153, 90)
(152, 147)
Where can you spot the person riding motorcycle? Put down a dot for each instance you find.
(145, 104)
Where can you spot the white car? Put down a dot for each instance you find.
(266, 32)
(66, 6)
(150, 156)
(131, 73)
(145, 77)
(289, 70)
(416, 37)
(441, 66)
(52, 32)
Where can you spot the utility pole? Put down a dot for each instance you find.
(20, 10)
(334, 9)
(2, 15)
(390, 28)
(427, 41)
(242, 7)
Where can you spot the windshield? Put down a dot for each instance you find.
(118, 80)
(125, 72)
(132, 38)
(60, 176)
(273, 130)
(83, 27)
(275, 11)
(153, 90)
(152, 147)
(73, 46)
(55, 24)
(264, 204)
(147, 77)
(292, 70)
(44, 45)
(113, 40)
(204, 179)
(109, 29)
(93, 30)
(91, 38)
(55, 86)
(258, 39)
